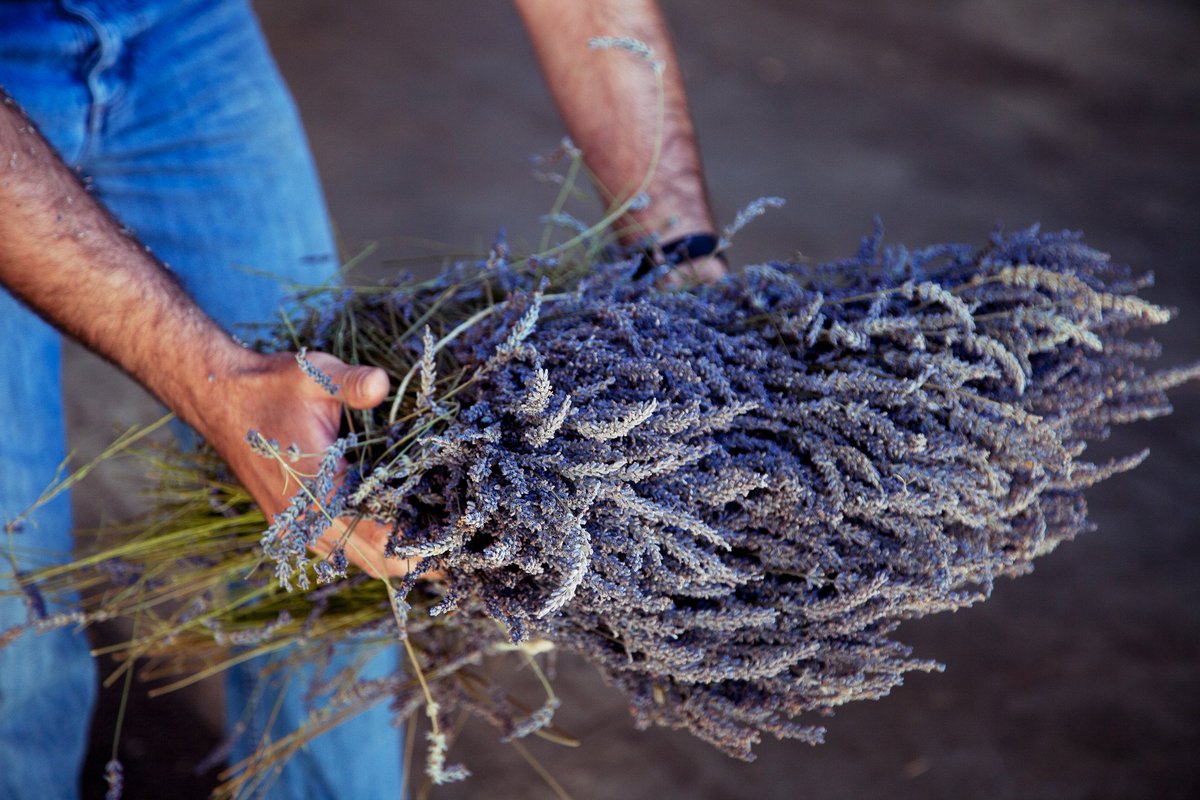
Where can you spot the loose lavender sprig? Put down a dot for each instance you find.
(114, 775)
(746, 215)
(316, 373)
(630, 45)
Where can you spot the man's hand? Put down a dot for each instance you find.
(70, 261)
(703, 270)
(270, 394)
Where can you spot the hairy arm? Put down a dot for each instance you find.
(68, 259)
(609, 101)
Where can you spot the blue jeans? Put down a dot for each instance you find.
(177, 114)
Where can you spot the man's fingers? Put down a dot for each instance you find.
(702, 270)
(363, 547)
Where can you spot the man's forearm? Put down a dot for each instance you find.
(67, 258)
(609, 102)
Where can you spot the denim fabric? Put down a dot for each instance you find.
(47, 681)
(175, 112)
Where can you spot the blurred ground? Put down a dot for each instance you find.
(1080, 681)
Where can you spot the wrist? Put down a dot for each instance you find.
(203, 389)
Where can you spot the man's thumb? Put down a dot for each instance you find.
(360, 387)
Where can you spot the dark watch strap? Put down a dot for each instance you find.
(678, 251)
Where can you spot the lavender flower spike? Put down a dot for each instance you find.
(312, 371)
(631, 45)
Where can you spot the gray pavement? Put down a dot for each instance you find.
(1079, 681)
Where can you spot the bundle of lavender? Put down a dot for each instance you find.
(725, 497)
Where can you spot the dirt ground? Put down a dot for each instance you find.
(1079, 682)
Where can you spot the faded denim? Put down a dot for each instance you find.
(176, 113)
